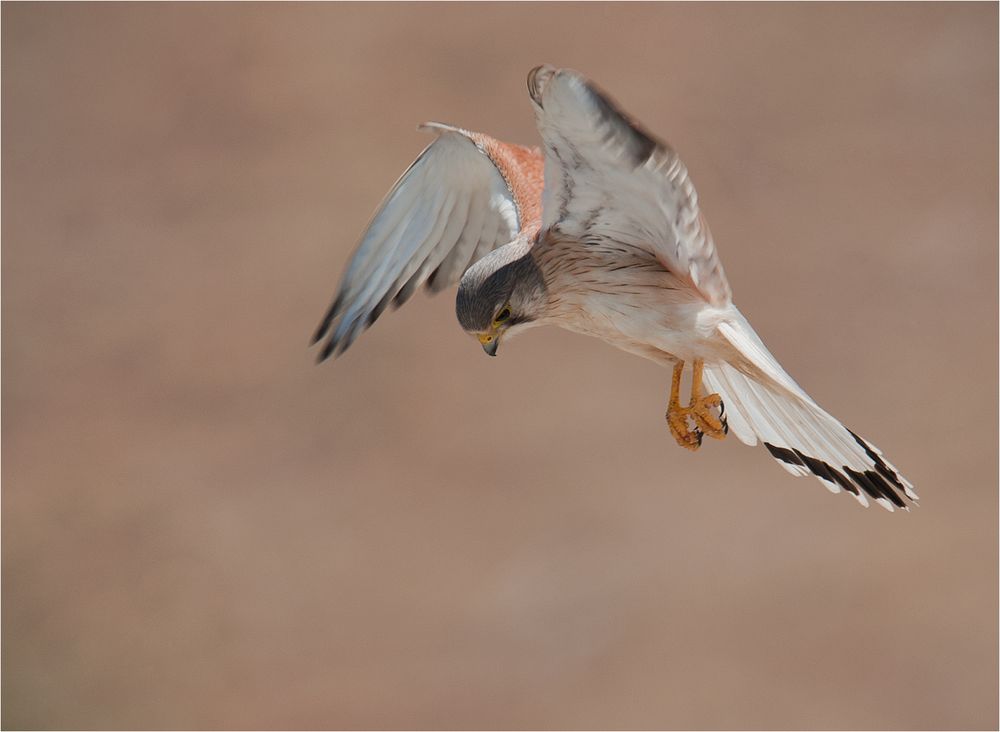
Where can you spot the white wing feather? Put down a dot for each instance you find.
(449, 208)
(763, 402)
(607, 178)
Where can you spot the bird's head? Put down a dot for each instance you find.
(501, 294)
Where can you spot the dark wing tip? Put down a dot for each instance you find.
(783, 454)
(874, 483)
(638, 144)
(346, 332)
(334, 347)
(885, 470)
(327, 321)
(326, 351)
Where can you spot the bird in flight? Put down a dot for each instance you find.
(600, 233)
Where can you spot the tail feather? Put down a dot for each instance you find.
(763, 403)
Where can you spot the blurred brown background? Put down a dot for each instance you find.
(203, 528)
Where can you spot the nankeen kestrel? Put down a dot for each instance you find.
(601, 234)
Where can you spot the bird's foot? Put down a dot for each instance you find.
(709, 413)
(705, 415)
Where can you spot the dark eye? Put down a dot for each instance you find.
(503, 315)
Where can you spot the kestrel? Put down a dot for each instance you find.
(601, 234)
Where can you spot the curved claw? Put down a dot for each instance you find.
(687, 436)
(704, 416)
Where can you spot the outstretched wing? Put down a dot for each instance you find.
(465, 195)
(764, 403)
(605, 178)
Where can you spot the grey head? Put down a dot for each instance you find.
(502, 293)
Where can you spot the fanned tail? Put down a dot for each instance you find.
(764, 403)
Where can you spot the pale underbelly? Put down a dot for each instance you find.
(638, 306)
(658, 331)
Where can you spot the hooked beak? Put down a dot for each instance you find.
(490, 343)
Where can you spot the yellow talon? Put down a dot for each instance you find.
(690, 424)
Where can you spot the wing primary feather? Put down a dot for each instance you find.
(355, 318)
(449, 205)
(387, 218)
(361, 298)
(458, 260)
(608, 178)
(797, 431)
(449, 238)
(426, 258)
(324, 326)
